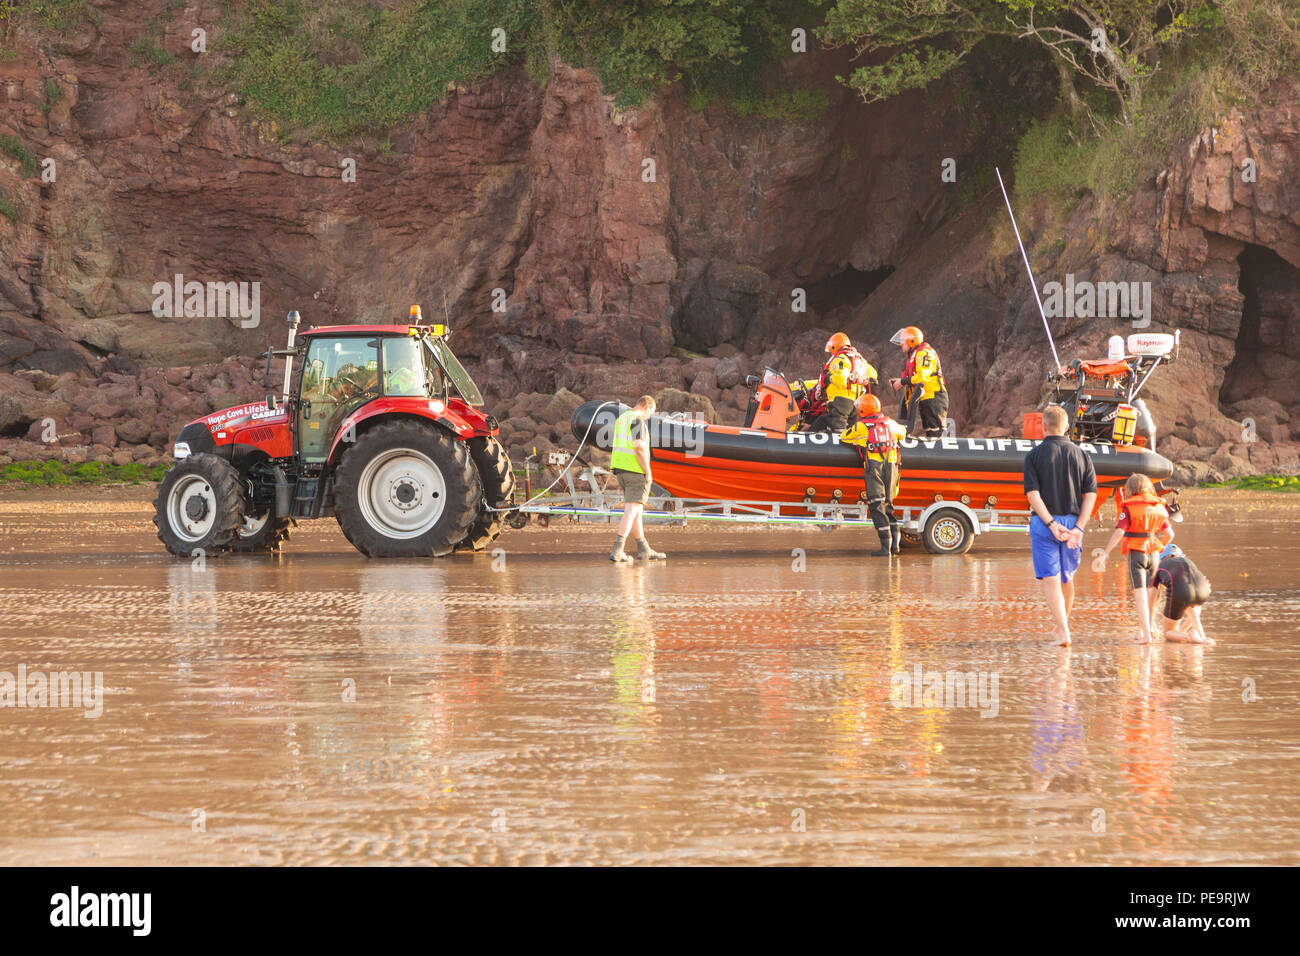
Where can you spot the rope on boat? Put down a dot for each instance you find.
(572, 461)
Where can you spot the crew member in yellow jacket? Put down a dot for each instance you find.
(876, 436)
(827, 402)
(922, 385)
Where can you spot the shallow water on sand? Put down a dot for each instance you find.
(722, 707)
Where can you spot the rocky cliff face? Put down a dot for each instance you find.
(607, 241)
(1220, 252)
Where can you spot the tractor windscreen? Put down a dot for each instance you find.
(454, 371)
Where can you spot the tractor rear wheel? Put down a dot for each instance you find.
(406, 489)
(498, 479)
(199, 506)
(262, 533)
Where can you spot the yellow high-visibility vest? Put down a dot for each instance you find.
(623, 455)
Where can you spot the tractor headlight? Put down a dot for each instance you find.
(181, 450)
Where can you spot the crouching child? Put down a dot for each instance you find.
(1186, 589)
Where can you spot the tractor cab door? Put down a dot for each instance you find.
(339, 375)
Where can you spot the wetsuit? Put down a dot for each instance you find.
(1185, 586)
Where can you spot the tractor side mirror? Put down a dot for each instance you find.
(272, 403)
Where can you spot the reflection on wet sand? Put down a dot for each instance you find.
(721, 707)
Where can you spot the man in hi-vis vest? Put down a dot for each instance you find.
(630, 461)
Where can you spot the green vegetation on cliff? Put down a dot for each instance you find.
(1083, 145)
(46, 473)
(1289, 483)
(13, 147)
(1132, 77)
(339, 68)
(51, 14)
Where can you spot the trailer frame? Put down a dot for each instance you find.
(944, 526)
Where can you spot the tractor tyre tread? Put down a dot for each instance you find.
(498, 479)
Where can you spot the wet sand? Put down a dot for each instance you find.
(722, 707)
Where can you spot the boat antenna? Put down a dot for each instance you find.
(1032, 281)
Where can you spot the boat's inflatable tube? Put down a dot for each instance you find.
(729, 449)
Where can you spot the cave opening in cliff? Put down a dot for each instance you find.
(16, 429)
(848, 287)
(1269, 286)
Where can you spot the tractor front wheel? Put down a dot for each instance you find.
(200, 506)
(406, 489)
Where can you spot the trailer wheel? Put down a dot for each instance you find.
(911, 539)
(498, 479)
(406, 489)
(200, 506)
(948, 531)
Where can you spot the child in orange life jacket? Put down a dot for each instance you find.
(1143, 523)
(877, 438)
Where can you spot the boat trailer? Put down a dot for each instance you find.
(945, 526)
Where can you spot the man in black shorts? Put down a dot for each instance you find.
(630, 462)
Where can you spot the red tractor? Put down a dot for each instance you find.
(382, 429)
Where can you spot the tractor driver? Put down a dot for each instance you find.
(351, 381)
(828, 402)
(403, 371)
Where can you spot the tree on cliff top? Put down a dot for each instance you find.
(1113, 44)
(639, 46)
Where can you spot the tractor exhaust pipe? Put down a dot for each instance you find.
(281, 492)
(294, 319)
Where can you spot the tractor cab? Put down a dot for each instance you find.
(401, 367)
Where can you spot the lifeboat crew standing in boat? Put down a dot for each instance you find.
(922, 385)
(828, 401)
(877, 436)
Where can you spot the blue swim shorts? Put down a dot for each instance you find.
(1052, 557)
